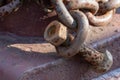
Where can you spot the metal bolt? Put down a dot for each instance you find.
(55, 33)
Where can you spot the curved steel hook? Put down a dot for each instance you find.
(63, 14)
(8, 8)
(90, 5)
(100, 20)
(82, 32)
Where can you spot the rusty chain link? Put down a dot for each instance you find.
(90, 5)
(82, 32)
(100, 20)
(78, 15)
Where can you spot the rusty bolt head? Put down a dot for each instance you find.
(55, 33)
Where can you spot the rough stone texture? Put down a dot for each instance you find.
(31, 58)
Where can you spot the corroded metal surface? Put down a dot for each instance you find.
(82, 33)
(31, 58)
(83, 11)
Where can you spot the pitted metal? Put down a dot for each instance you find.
(89, 5)
(64, 14)
(106, 64)
(75, 14)
(102, 17)
(110, 5)
(82, 31)
(55, 33)
(100, 61)
(100, 20)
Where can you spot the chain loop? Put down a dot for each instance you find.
(64, 14)
(105, 13)
(110, 5)
(82, 32)
(90, 5)
(75, 14)
(100, 20)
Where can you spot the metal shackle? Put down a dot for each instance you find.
(82, 32)
(100, 61)
(106, 64)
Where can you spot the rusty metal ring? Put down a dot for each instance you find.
(90, 5)
(110, 5)
(64, 14)
(8, 8)
(82, 32)
(100, 20)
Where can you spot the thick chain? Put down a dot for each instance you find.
(75, 14)
(82, 32)
(99, 12)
